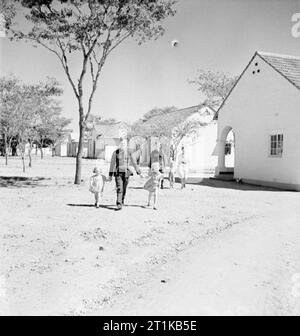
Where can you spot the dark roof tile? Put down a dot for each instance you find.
(287, 66)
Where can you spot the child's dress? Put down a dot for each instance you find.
(97, 183)
(153, 182)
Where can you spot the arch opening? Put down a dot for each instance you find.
(226, 152)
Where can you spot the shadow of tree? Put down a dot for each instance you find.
(21, 181)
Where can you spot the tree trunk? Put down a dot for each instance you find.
(79, 153)
(6, 150)
(42, 154)
(23, 162)
(29, 155)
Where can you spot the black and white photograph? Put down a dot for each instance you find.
(149, 158)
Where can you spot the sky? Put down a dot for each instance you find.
(216, 35)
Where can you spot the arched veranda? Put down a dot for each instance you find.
(226, 151)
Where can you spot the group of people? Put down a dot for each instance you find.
(122, 159)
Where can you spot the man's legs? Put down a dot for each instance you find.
(119, 186)
(97, 200)
(125, 183)
(162, 180)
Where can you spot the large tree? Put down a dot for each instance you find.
(35, 113)
(91, 30)
(214, 85)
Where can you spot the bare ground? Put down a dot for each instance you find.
(213, 248)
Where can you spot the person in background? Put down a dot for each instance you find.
(138, 154)
(97, 182)
(182, 164)
(119, 168)
(157, 155)
(172, 172)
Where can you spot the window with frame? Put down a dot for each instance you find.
(276, 147)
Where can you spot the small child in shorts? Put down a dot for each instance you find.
(152, 184)
(97, 182)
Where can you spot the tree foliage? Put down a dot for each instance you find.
(157, 111)
(29, 113)
(163, 123)
(9, 104)
(214, 85)
(48, 126)
(7, 13)
(150, 126)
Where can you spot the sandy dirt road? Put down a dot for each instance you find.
(213, 248)
(244, 270)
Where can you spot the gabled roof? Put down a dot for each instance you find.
(74, 137)
(174, 118)
(114, 130)
(285, 65)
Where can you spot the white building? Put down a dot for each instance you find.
(263, 111)
(199, 146)
(61, 148)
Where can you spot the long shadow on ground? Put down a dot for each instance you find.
(21, 181)
(213, 183)
(109, 207)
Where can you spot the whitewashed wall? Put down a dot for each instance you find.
(260, 104)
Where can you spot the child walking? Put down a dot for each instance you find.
(97, 182)
(172, 173)
(152, 184)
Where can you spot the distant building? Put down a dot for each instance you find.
(105, 139)
(72, 145)
(61, 148)
(263, 113)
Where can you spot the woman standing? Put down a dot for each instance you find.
(182, 164)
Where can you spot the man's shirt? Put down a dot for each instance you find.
(120, 162)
